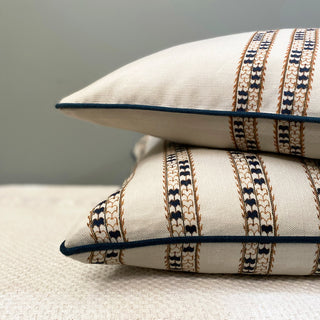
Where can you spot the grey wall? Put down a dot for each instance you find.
(49, 49)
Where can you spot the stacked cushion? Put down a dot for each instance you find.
(249, 91)
(204, 210)
(192, 208)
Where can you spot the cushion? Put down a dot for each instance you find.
(207, 210)
(38, 283)
(249, 91)
(143, 146)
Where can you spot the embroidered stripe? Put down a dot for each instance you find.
(312, 170)
(248, 89)
(182, 209)
(294, 90)
(106, 225)
(258, 211)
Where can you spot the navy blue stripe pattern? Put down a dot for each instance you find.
(294, 91)
(106, 224)
(182, 208)
(248, 89)
(257, 203)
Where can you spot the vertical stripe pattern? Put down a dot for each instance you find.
(294, 90)
(258, 211)
(181, 206)
(248, 89)
(312, 169)
(106, 225)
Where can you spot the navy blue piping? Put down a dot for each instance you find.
(175, 240)
(241, 114)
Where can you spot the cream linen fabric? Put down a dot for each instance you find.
(144, 145)
(250, 91)
(179, 191)
(37, 282)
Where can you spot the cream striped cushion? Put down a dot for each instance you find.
(249, 91)
(204, 210)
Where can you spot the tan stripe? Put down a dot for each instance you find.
(289, 136)
(312, 171)
(259, 216)
(244, 132)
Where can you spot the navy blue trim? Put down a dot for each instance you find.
(226, 113)
(174, 240)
